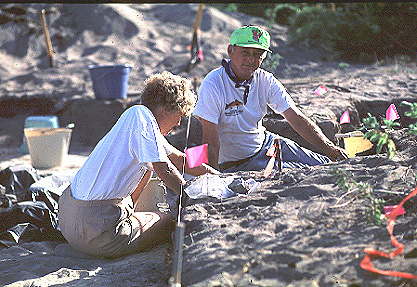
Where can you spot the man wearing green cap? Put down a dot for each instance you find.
(234, 98)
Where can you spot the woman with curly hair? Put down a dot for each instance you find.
(97, 212)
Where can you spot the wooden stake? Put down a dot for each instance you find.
(47, 39)
(198, 19)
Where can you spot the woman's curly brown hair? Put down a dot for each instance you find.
(170, 91)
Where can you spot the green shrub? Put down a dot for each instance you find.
(271, 62)
(352, 31)
(380, 135)
(350, 186)
(412, 113)
(358, 31)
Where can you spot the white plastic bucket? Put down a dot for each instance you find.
(151, 195)
(48, 147)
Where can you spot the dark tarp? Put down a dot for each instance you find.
(14, 183)
(29, 206)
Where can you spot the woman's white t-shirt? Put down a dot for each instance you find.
(240, 129)
(121, 158)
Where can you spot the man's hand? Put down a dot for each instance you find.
(336, 153)
(313, 134)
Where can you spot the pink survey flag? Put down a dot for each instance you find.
(344, 119)
(391, 113)
(196, 155)
(321, 90)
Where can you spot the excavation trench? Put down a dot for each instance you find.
(94, 118)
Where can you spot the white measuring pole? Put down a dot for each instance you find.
(175, 279)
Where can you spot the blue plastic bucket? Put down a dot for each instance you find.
(110, 81)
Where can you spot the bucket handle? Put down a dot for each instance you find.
(349, 135)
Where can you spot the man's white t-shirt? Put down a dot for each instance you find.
(121, 158)
(240, 129)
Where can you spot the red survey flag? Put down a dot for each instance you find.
(344, 119)
(389, 209)
(391, 113)
(321, 90)
(196, 155)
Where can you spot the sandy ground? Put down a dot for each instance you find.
(298, 229)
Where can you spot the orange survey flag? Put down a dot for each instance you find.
(372, 253)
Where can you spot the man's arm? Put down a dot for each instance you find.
(313, 134)
(211, 136)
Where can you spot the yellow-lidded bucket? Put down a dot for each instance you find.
(355, 143)
(48, 147)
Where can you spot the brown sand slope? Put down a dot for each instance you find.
(301, 229)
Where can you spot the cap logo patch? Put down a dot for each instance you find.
(256, 35)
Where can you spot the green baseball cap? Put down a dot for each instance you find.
(252, 37)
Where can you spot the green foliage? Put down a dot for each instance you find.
(381, 135)
(343, 65)
(345, 181)
(376, 134)
(271, 62)
(254, 9)
(314, 24)
(280, 13)
(358, 31)
(354, 31)
(232, 7)
(412, 113)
